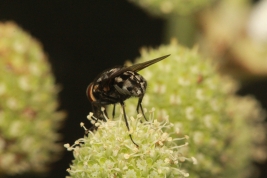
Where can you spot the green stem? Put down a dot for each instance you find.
(182, 28)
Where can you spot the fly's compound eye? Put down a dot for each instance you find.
(89, 92)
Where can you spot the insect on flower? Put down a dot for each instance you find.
(116, 85)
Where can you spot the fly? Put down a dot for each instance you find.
(116, 85)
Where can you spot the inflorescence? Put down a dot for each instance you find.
(109, 152)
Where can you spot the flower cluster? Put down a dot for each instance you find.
(109, 152)
(163, 7)
(239, 42)
(28, 116)
(223, 127)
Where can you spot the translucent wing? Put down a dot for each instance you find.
(140, 66)
(135, 67)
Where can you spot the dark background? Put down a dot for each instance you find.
(84, 37)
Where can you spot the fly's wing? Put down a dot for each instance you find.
(140, 66)
(134, 68)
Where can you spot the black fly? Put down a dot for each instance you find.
(117, 84)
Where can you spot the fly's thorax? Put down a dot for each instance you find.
(105, 75)
(132, 82)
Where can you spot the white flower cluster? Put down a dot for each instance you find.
(109, 152)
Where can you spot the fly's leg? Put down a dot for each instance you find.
(113, 112)
(126, 122)
(139, 104)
